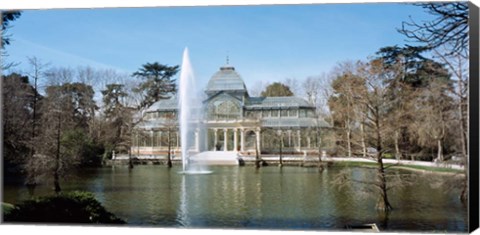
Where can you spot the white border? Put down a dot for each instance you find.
(62, 4)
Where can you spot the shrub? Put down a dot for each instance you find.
(72, 207)
(6, 208)
(388, 156)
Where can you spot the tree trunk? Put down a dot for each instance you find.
(398, 154)
(280, 148)
(383, 204)
(257, 155)
(464, 193)
(56, 180)
(439, 150)
(463, 108)
(463, 120)
(169, 158)
(349, 143)
(130, 160)
(364, 145)
(319, 142)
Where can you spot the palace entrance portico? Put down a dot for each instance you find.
(235, 135)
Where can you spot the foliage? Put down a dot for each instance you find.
(61, 144)
(7, 208)
(157, 82)
(276, 89)
(7, 18)
(76, 144)
(72, 207)
(74, 101)
(17, 102)
(412, 69)
(344, 106)
(409, 77)
(112, 100)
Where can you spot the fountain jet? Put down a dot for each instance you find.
(190, 114)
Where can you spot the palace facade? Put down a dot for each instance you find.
(233, 121)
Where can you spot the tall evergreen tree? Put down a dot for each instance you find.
(116, 134)
(7, 18)
(157, 82)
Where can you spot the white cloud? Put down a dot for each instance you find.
(26, 48)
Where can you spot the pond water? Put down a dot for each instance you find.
(269, 198)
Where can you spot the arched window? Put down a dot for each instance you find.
(224, 110)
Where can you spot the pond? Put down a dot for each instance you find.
(285, 198)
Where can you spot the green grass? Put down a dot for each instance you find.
(407, 167)
(355, 164)
(433, 169)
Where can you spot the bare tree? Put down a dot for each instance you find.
(458, 66)
(257, 88)
(62, 141)
(433, 117)
(171, 126)
(88, 75)
(49, 156)
(374, 97)
(38, 68)
(59, 75)
(450, 26)
(372, 92)
(344, 104)
(312, 89)
(294, 86)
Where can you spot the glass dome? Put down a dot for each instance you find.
(226, 79)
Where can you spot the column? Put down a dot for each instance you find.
(151, 142)
(242, 139)
(280, 137)
(215, 140)
(308, 141)
(151, 138)
(197, 140)
(205, 140)
(178, 140)
(159, 140)
(257, 134)
(299, 140)
(225, 139)
(289, 138)
(235, 146)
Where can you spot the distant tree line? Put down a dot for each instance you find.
(74, 117)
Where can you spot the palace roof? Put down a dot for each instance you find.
(226, 79)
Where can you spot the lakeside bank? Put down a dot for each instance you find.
(309, 161)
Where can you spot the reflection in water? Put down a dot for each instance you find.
(383, 218)
(269, 197)
(183, 212)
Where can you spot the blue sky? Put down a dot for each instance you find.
(264, 43)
